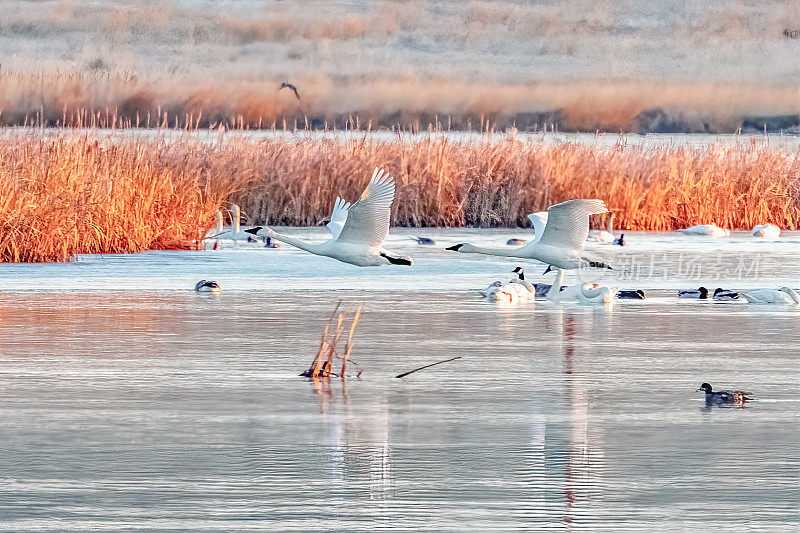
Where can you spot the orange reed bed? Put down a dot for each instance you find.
(446, 183)
(70, 194)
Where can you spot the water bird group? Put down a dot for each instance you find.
(701, 293)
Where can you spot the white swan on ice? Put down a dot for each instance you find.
(767, 231)
(581, 292)
(784, 295)
(709, 230)
(501, 292)
(358, 230)
(600, 235)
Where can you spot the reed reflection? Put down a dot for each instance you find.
(357, 438)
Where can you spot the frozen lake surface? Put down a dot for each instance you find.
(787, 142)
(128, 401)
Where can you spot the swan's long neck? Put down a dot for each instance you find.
(554, 290)
(793, 295)
(312, 248)
(506, 252)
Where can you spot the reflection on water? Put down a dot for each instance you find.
(359, 453)
(169, 410)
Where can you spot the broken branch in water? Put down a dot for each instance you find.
(404, 374)
(322, 365)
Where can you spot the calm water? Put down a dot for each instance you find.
(128, 401)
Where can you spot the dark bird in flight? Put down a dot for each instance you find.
(286, 85)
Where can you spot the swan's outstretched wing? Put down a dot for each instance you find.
(539, 221)
(568, 223)
(368, 218)
(338, 217)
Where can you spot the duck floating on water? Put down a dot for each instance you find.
(269, 243)
(725, 295)
(700, 294)
(515, 242)
(621, 240)
(723, 397)
(207, 286)
(638, 294)
(423, 241)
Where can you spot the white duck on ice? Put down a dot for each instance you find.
(358, 230)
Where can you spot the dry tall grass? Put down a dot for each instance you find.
(446, 183)
(67, 195)
(119, 101)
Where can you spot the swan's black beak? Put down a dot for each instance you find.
(254, 231)
(454, 248)
(549, 268)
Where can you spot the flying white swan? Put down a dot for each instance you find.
(784, 295)
(358, 230)
(561, 240)
(709, 230)
(767, 231)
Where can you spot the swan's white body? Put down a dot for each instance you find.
(581, 292)
(784, 295)
(501, 292)
(559, 242)
(709, 230)
(600, 235)
(358, 230)
(767, 231)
